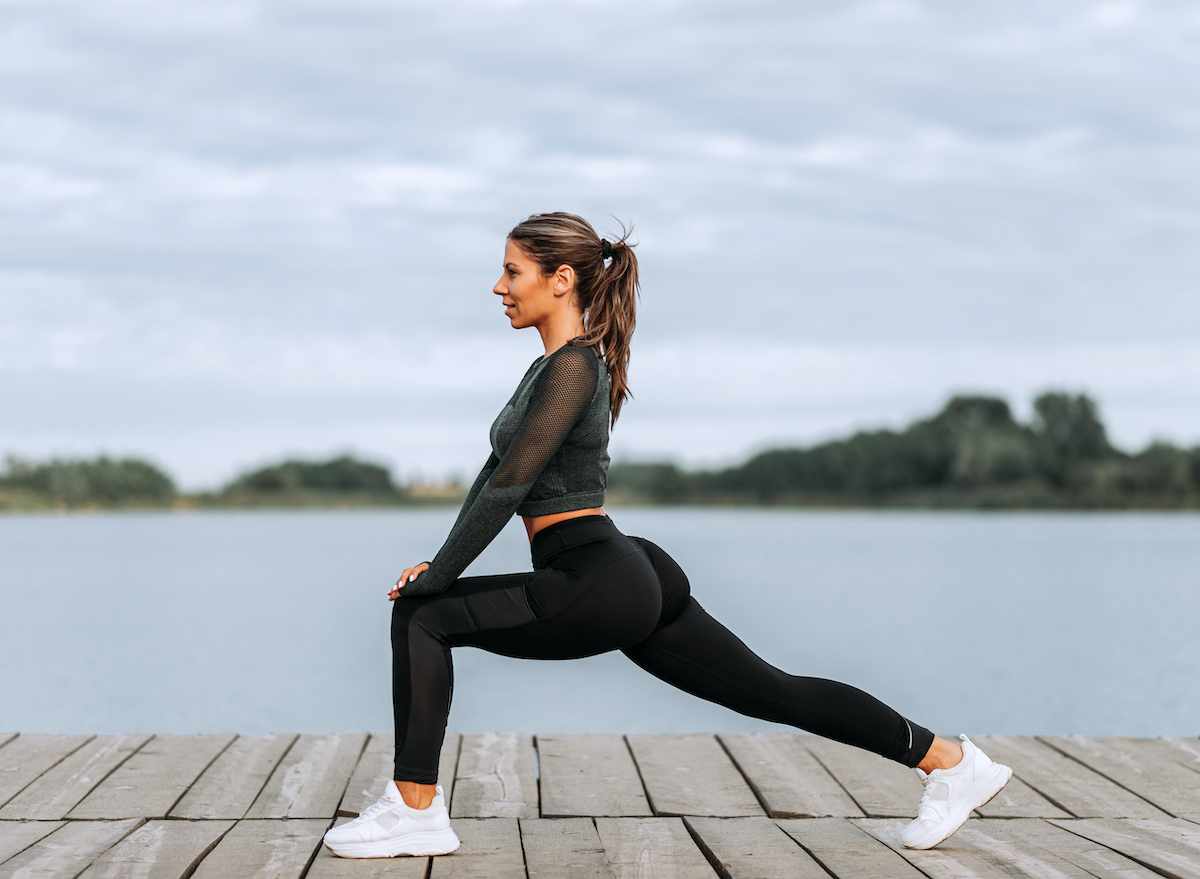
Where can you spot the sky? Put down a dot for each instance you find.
(232, 232)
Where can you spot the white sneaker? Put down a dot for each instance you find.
(951, 794)
(389, 828)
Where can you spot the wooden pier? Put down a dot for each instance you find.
(568, 806)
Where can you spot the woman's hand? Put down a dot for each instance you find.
(408, 576)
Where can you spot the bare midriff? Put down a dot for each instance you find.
(534, 524)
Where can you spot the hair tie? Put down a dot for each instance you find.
(605, 248)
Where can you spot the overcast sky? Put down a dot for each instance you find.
(233, 231)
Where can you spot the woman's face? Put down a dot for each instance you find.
(528, 296)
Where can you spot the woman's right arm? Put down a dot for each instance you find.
(485, 474)
(564, 390)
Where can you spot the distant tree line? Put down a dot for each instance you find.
(105, 483)
(99, 483)
(973, 453)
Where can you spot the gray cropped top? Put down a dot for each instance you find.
(549, 455)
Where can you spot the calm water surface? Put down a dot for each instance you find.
(278, 621)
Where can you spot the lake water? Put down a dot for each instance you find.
(277, 621)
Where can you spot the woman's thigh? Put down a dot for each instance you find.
(604, 599)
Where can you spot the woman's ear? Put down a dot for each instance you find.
(564, 280)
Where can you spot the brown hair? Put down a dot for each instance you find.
(607, 295)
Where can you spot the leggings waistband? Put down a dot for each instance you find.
(561, 536)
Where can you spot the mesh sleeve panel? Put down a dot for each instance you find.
(561, 395)
(565, 389)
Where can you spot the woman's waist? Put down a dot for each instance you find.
(565, 534)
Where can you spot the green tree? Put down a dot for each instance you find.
(342, 475)
(99, 482)
(1069, 436)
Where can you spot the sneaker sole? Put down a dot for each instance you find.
(957, 823)
(437, 842)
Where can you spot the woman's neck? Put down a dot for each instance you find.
(560, 329)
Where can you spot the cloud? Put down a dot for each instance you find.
(209, 200)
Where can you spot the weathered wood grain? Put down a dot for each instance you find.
(589, 775)
(1169, 845)
(563, 848)
(58, 790)
(68, 850)
(692, 775)
(787, 778)
(151, 781)
(1163, 771)
(846, 851)
(975, 853)
(234, 780)
(310, 780)
(753, 848)
(1082, 792)
(881, 788)
(158, 850)
(373, 772)
(1098, 860)
(264, 850)
(27, 757)
(448, 765)
(496, 777)
(491, 849)
(327, 865)
(652, 848)
(377, 766)
(16, 836)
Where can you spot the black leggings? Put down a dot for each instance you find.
(594, 590)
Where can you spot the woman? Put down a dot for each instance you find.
(593, 589)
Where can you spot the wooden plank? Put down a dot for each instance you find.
(496, 777)
(234, 780)
(264, 850)
(881, 788)
(1098, 860)
(846, 851)
(16, 836)
(752, 848)
(692, 775)
(786, 777)
(563, 848)
(652, 848)
(1170, 846)
(158, 850)
(27, 757)
(975, 853)
(376, 767)
(310, 781)
(1082, 792)
(61, 788)
(491, 849)
(591, 775)
(68, 850)
(1162, 771)
(448, 765)
(327, 865)
(150, 782)
(373, 772)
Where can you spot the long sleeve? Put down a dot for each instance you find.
(561, 393)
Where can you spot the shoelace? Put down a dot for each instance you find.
(375, 808)
(927, 795)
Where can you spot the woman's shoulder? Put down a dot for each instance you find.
(573, 360)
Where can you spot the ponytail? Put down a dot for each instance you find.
(607, 295)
